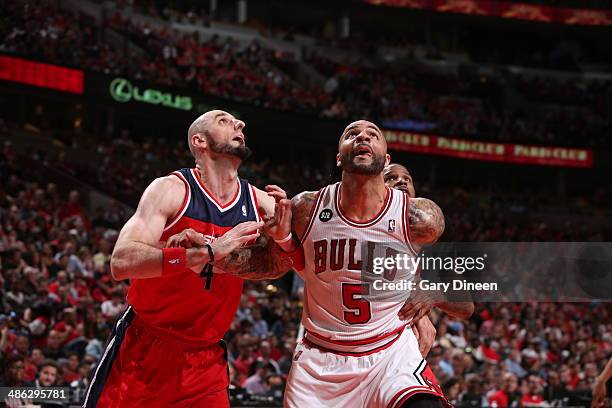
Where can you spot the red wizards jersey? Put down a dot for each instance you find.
(179, 305)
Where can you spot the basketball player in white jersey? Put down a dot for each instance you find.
(357, 353)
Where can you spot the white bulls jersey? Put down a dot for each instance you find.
(356, 352)
(336, 316)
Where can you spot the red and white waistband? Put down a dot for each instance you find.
(353, 347)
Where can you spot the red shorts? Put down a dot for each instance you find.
(140, 369)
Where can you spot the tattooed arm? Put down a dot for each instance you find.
(263, 260)
(301, 206)
(426, 221)
(266, 259)
(426, 226)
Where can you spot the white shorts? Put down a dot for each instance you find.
(382, 379)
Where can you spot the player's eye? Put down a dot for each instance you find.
(222, 121)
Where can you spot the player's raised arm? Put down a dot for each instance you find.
(137, 254)
(426, 221)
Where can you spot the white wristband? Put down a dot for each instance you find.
(286, 239)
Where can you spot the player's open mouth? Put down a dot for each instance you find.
(239, 138)
(402, 187)
(363, 151)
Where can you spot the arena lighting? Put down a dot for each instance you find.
(122, 90)
(42, 75)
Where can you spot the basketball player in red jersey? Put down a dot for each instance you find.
(165, 350)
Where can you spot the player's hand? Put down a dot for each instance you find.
(235, 238)
(599, 393)
(425, 333)
(276, 192)
(417, 306)
(188, 238)
(278, 226)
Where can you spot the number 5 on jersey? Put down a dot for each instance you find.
(359, 309)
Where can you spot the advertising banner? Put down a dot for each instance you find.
(489, 151)
(519, 11)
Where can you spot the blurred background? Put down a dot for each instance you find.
(502, 112)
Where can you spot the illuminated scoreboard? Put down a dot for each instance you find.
(42, 75)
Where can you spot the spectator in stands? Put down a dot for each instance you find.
(256, 384)
(265, 351)
(113, 307)
(70, 370)
(47, 374)
(54, 346)
(32, 363)
(260, 326)
(472, 397)
(532, 394)
(22, 345)
(245, 359)
(507, 396)
(13, 373)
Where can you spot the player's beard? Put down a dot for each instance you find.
(347, 161)
(242, 151)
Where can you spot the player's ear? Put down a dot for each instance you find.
(199, 141)
(387, 159)
(338, 162)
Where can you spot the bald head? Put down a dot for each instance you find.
(217, 131)
(198, 127)
(360, 125)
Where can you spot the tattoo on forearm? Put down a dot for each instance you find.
(264, 260)
(426, 220)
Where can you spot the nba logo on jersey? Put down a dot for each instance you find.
(244, 211)
(391, 225)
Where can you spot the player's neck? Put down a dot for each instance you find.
(219, 177)
(362, 196)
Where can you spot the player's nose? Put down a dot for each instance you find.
(238, 124)
(363, 137)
